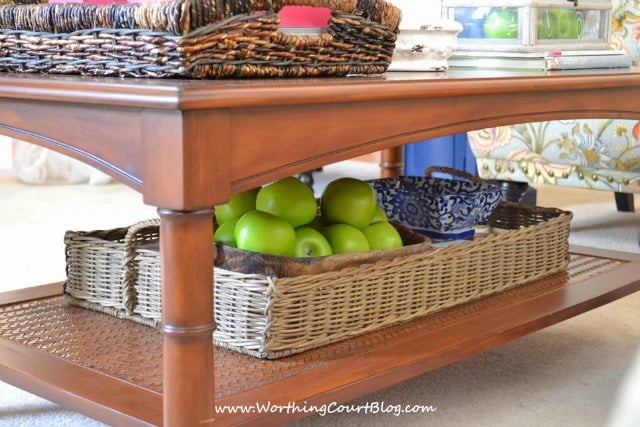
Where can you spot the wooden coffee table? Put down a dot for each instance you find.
(187, 146)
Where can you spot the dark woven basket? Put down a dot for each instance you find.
(194, 39)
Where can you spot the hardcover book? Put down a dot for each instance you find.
(545, 61)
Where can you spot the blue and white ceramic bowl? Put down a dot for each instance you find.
(439, 208)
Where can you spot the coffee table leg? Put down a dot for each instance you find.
(186, 247)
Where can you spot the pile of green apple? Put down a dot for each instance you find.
(285, 218)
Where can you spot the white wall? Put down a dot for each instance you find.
(418, 12)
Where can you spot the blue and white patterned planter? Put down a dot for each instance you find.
(439, 208)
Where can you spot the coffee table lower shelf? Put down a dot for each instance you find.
(111, 369)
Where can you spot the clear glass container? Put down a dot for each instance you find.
(533, 25)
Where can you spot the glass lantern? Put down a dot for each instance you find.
(531, 25)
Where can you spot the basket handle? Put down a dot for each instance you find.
(428, 172)
(129, 272)
(379, 11)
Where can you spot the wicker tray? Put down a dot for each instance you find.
(194, 39)
(271, 317)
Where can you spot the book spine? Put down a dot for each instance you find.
(580, 62)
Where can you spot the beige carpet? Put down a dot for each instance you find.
(565, 375)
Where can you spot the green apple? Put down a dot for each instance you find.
(348, 201)
(570, 23)
(289, 199)
(225, 233)
(311, 243)
(345, 238)
(262, 232)
(382, 235)
(379, 215)
(559, 24)
(546, 25)
(237, 205)
(501, 23)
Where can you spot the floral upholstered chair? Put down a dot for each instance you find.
(588, 153)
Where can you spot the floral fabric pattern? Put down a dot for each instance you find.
(600, 154)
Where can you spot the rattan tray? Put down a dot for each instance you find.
(272, 317)
(194, 39)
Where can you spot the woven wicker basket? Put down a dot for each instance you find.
(272, 317)
(194, 39)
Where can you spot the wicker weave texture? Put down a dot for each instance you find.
(271, 317)
(195, 39)
(96, 265)
(178, 17)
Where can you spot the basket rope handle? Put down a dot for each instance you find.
(379, 11)
(129, 272)
(428, 172)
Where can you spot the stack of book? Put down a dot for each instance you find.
(545, 60)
